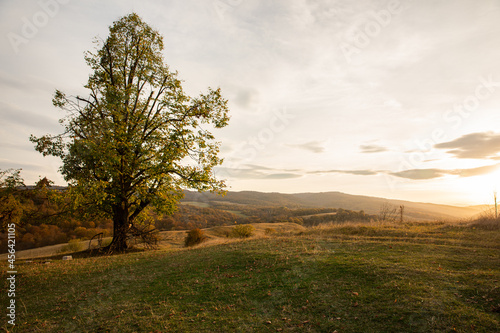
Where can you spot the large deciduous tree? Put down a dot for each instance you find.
(137, 140)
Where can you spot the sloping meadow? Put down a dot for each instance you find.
(422, 277)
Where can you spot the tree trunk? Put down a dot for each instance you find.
(120, 228)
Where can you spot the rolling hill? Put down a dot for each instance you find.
(371, 205)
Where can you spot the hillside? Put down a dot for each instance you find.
(43, 226)
(411, 277)
(371, 205)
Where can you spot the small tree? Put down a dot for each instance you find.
(127, 145)
(194, 237)
(388, 212)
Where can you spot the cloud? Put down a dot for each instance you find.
(19, 146)
(477, 171)
(7, 81)
(247, 98)
(250, 171)
(484, 145)
(372, 149)
(350, 172)
(282, 176)
(13, 115)
(312, 146)
(419, 174)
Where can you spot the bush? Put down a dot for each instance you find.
(194, 237)
(243, 231)
(269, 231)
(485, 223)
(74, 245)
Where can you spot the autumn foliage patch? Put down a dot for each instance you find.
(243, 230)
(194, 237)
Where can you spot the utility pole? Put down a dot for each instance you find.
(496, 205)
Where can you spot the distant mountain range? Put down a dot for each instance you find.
(371, 205)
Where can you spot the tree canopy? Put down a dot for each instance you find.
(10, 208)
(137, 139)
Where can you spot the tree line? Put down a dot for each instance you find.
(44, 215)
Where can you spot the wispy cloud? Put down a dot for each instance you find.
(484, 145)
(372, 149)
(350, 172)
(250, 171)
(477, 171)
(418, 174)
(312, 146)
(12, 115)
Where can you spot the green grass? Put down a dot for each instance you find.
(425, 277)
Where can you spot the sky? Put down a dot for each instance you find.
(394, 99)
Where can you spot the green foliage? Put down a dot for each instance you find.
(125, 145)
(189, 217)
(22, 205)
(42, 214)
(194, 237)
(243, 230)
(74, 245)
(341, 215)
(11, 179)
(11, 209)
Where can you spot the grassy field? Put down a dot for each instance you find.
(412, 277)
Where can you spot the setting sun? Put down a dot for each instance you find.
(479, 190)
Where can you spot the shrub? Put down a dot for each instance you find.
(73, 245)
(243, 230)
(194, 237)
(269, 231)
(486, 223)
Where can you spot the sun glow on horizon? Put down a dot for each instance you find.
(478, 190)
